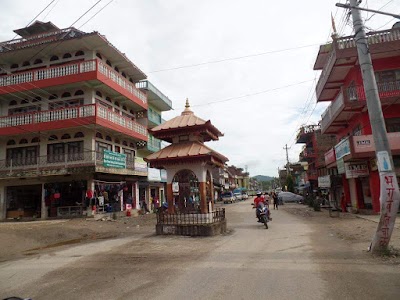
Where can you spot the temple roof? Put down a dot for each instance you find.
(187, 120)
(186, 150)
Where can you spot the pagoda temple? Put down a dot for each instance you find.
(188, 161)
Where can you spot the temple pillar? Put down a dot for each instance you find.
(170, 199)
(203, 198)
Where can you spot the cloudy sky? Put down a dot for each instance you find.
(247, 65)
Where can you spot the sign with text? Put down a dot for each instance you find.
(355, 170)
(324, 181)
(340, 166)
(175, 187)
(342, 148)
(114, 160)
(153, 174)
(330, 156)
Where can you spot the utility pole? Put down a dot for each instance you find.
(389, 188)
(287, 160)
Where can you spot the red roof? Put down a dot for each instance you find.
(186, 122)
(186, 151)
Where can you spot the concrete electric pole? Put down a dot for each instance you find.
(389, 188)
(287, 160)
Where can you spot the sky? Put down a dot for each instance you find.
(246, 65)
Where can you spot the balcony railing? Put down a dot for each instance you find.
(377, 37)
(153, 144)
(355, 95)
(385, 90)
(77, 112)
(60, 162)
(35, 76)
(149, 86)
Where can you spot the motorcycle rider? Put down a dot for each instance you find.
(260, 201)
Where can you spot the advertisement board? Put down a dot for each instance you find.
(342, 148)
(355, 170)
(324, 181)
(114, 160)
(154, 175)
(140, 164)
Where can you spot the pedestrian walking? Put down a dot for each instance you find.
(276, 200)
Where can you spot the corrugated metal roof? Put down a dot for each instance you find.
(187, 149)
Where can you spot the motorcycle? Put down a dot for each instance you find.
(262, 215)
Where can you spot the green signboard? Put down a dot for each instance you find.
(114, 159)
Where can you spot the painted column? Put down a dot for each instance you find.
(203, 198)
(212, 196)
(135, 194)
(374, 185)
(3, 206)
(43, 211)
(170, 199)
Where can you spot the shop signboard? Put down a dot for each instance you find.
(140, 164)
(154, 174)
(355, 170)
(330, 156)
(114, 160)
(342, 148)
(340, 166)
(324, 181)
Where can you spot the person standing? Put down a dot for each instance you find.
(343, 203)
(276, 200)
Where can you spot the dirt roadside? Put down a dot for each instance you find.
(21, 239)
(356, 231)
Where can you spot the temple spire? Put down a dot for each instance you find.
(187, 110)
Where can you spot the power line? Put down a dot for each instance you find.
(96, 13)
(233, 58)
(253, 94)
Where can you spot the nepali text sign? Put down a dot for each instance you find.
(330, 156)
(355, 170)
(114, 159)
(342, 149)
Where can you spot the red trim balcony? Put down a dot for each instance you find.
(337, 59)
(72, 73)
(350, 101)
(71, 117)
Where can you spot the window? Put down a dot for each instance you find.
(26, 63)
(78, 93)
(100, 147)
(35, 140)
(23, 141)
(66, 94)
(12, 102)
(53, 138)
(37, 61)
(24, 101)
(54, 57)
(66, 136)
(99, 135)
(14, 66)
(67, 55)
(54, 96)
(79, 135)
(99, 55)
(108, 63)
(22, 156)
(11, 142)
(80, 53)
(75, 151)
(99, 94)
(393, 125)
(357, 130)
(56, 153)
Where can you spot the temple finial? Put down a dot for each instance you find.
(187, 110)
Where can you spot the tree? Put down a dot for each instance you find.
(290, 183)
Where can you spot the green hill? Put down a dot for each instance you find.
(261, 178)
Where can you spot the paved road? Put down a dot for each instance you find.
(291, 260)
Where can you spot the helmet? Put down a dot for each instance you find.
(259, 193)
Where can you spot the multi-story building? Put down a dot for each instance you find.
(347, 117)
(313, 153)
(72, 123)
(154, 186)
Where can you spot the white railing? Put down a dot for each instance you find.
(377, 37)
(111, 116)
(121, 81)
(72, 69)
(72, 113)
(48, 73)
